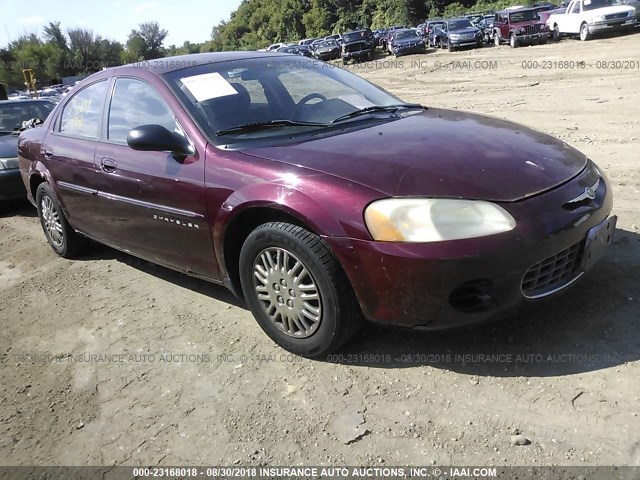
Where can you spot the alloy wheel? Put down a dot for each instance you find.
(52, 222)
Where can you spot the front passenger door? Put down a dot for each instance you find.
(152, 204)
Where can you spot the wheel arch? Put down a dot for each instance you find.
(238, 219)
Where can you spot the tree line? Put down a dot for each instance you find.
(78, 51)
(254, 25)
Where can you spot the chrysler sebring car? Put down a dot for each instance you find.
(319, 198)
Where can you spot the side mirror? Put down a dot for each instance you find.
(156, 138)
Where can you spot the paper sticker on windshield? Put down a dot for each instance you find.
(356, 100)
(587, 2)
(208, 86)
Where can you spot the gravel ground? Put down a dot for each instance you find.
(135, 364)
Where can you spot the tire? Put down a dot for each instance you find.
(584, 32)
(449, 46)
(496, 39)
(513, 41)
(313, 328)
(64, 240)
(556, 33)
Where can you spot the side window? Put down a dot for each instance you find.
(135, 103)
(81, 116)
(576, 8)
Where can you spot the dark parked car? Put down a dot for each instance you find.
(357, 45)
(12, 115)
(520, 27)
(434, 32)
(377, 35)
(317, 196)
(384, 40)
(295, 50)
(459, 32)
(406, 42)
(327, 50)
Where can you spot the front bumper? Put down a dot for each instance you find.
(327, 56)
(398, 52)
(359, 55)
(534, 37)
(611, 25)
(465, 42)
(414, 285)
(11, 185)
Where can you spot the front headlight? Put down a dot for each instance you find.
(434, 220)
(597, 18)
(9, 163)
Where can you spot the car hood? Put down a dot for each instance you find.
(440, 153)
(407, 41)
(611, 9)
(464, 31)
(8, 146)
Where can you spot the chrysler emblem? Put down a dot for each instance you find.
(589, 194)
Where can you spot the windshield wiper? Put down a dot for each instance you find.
(378, 108)
(253, 127)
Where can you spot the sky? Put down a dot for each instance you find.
(114, 19)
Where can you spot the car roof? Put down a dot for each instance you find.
(25, 100)
(516, 10)
(457, 18)
(179, 62)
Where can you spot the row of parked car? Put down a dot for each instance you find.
(515, 26)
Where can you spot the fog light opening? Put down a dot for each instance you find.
(473, 296)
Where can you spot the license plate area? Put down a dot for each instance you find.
(599, 239)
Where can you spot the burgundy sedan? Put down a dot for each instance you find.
(320, 198)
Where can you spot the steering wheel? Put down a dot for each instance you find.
(310, 97)
(305, 100)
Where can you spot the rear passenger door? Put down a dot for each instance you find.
(150, 203)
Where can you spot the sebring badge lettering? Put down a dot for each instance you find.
(176, 221)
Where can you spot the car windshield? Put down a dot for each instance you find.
(354, 37)
(278, 92)
(406, 35)
(593, 4)
(13, 114)
(523, 16)
(460, 24)
(327, 44)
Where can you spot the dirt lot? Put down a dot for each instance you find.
(198, 382)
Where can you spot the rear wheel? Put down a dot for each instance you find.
(584, 32)
(297, 290)
(61, 236)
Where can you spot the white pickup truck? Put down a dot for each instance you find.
(588, 17)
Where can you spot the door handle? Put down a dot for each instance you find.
(47, 153)
(108, 165)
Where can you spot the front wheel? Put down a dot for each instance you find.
(584, 32)
(297, 290)
(449, 46)
(61, 236)
(496, 39)
(513, 41)
(556, 33)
